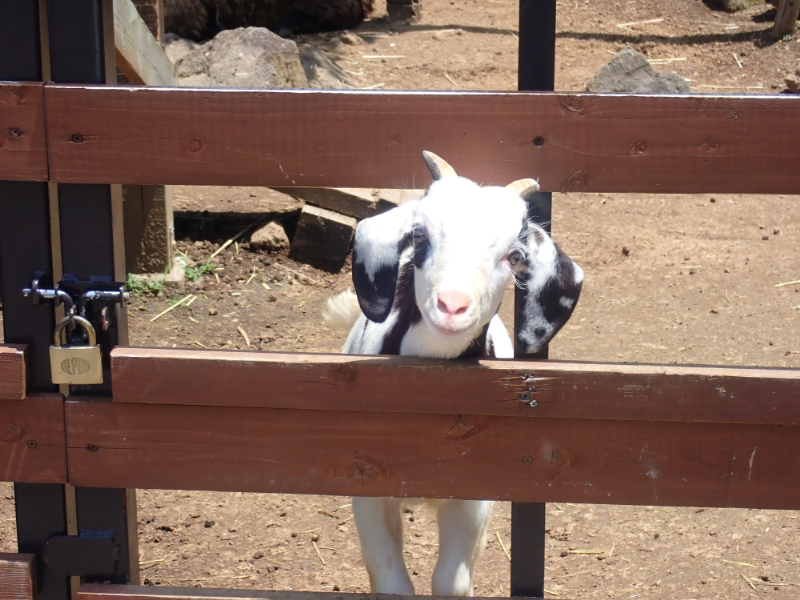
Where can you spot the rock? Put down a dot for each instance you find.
(629, 71)
(322, 239)
(404, 10)
(271, 237)
(176, 47)
(322, 72)
(793, 81)
(349, 38)
(251, 57)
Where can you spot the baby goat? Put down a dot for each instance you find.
(429, 277)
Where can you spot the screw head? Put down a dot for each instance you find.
(15, 132)
(527, 460)
(32, 444)
(92, 447)
(524, 397)
(538, 141)
(76, 138)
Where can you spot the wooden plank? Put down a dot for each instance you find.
(139, 56)
(23, 137)
(94, 591)
(432, 456)
(13, 379)
(32, 447)
(342, 138)
(476, 387)
(17, 576)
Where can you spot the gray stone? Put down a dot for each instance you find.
(322, 72)
(793, 81)
(249, 57)
(629, 71)
(271, 237)
(322, 239)
(177, 47)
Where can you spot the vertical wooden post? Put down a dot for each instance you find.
(536, 72)
(785, 19)
(25, 247)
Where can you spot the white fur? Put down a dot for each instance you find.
(341, 311)
(468, 254)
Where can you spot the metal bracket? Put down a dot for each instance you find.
(72, 291)
(92, 553)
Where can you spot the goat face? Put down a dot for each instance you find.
(456, 250)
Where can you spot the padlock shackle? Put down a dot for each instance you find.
(78, 320)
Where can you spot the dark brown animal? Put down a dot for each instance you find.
(202, 19)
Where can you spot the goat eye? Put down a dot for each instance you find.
(419, 236)
(514, 258)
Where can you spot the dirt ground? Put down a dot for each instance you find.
(669, 279)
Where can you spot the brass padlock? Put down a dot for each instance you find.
(76, 365)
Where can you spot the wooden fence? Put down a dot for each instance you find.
(715, 436)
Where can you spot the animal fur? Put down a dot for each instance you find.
(201, 19)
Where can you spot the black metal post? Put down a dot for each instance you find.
(82, 51)
(537, 49)
(25, 248)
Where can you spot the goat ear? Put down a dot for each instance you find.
(379, 242)
(553, 284)
(437, 166)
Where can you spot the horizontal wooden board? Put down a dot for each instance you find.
(94, 591)
(32, 443)
(341, 138)
(17, 576)
(434, 456)
(12, 371)
(475, 387)
(23, 137)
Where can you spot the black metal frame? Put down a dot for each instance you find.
(73, 49)
(78, 40)
(536, 72)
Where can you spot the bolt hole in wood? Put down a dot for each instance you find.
(538, 141)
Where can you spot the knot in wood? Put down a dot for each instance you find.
(194, 146)
(465, 427)
(343, 374)
(361, 470)
(10, 432)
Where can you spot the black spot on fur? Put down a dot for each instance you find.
(405, 304)
(376, 296)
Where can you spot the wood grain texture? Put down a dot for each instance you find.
(139, 56)
(17, 576)
(474, 387)
(432, 456)
(23, 137)
(32, 443)
(94, 591)
(12, 371)
(592, 143)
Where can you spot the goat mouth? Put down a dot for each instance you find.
(449, 329)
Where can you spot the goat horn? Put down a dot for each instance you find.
(437, 166)
(524, 188)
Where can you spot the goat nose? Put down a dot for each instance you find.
(453, 302)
